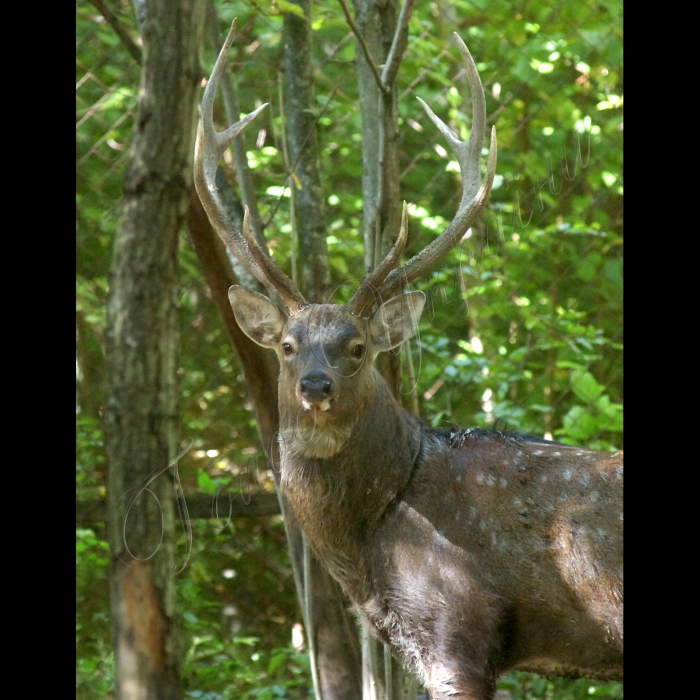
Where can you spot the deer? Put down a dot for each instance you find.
(468, 551)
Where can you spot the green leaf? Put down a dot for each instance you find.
(275, 661)
(205, 482)
(285, 6)
(585, 386)
(579, 424)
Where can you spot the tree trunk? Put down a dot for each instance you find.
(141, 415)
(303, 149)
(376, 22)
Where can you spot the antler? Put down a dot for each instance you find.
(388, 282)
(209, 147)
(368, 290)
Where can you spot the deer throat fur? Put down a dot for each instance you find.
(340, 500)
(320, 439)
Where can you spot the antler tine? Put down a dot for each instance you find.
(209, 147)
(296, 302)
(474, 194)
(366, 294)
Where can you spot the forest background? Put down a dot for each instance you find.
(524, 328)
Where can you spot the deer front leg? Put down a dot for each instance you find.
(445, 682)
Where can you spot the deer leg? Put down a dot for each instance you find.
(458, 671)
(446, 684)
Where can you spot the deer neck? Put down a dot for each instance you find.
(340, 499)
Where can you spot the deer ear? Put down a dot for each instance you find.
(396, 320)
(257, 316)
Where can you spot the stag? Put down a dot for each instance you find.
(469, 552)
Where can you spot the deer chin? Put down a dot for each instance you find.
(323, 406)
(315, 433)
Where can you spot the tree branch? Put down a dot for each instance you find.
(398, 45)
(200, 507)
(119, 29)
(365, 49)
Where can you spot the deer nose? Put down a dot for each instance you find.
(316, 387)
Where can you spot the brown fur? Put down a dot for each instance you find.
(468, 552)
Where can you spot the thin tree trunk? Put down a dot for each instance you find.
(303, 148)
(142, 406)
(376, 22)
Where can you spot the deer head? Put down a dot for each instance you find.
(326, 351)
(326, 355)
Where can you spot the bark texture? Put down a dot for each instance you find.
(142, 405)
(376, 21)
(303, 149)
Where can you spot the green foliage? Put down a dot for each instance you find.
(234, 577)
(94, 657)
(525, 686)
(534, 342)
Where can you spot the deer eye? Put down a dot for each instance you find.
(358, 351)
(288, 349)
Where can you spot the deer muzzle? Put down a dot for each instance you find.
(316, 390)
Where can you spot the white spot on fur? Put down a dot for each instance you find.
(483, 525)
(517, 502)
(594, 496)
(537, 452)
(479, 478)
(473, 512)
(543, 479)
(584, 480)
(503, 482)
(490, 479)
(618, 472)
(567, 475)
